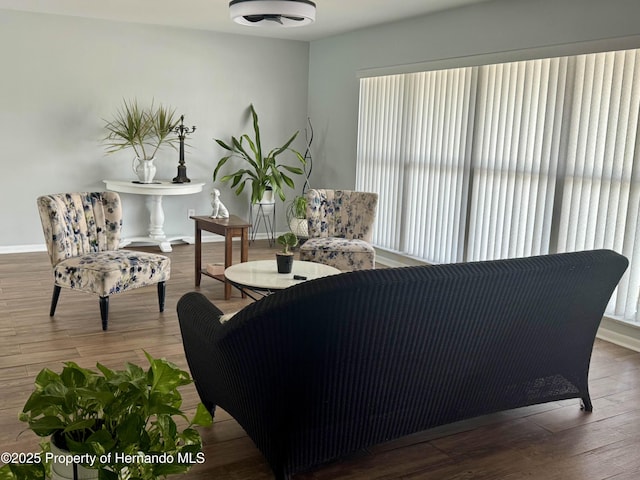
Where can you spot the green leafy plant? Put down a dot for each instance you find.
(31, 471)
(264, 171)
(297, 208)
(144, 130)
(110, 414)
(287, 240)
(296, 213)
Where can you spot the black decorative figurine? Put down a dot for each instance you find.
(182, 132)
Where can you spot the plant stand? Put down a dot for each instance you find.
(265, 213)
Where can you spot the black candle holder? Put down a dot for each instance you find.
(182, 132)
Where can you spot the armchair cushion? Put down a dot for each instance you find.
(106, 273)
(343, 254)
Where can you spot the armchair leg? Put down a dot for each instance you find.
(104, 311)
(161, 295)
(54, 299)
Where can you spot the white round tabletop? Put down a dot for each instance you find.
(263, 274)
(160, 187)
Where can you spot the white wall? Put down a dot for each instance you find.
(61, 76)
(485, 28)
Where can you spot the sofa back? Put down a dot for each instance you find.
(336, 364)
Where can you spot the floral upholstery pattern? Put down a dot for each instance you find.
(80, 223)
(340, 229)
(82, 233)
(106, 273)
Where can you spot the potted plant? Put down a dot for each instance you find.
(145, 131)
(125, 422)
(263, 171)
(296, 213)
(284, 259)
(23, 471)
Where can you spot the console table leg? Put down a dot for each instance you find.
(156, 221)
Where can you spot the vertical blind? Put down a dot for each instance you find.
(507, 160)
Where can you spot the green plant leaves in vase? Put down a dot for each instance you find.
(287, 240)
(132, 411)
(143, 129)
(263, 171)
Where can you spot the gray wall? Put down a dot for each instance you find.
(486, 28)
(61, 76)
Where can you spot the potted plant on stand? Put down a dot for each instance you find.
(145, 131)
(284, 259)
(262, 171)
(296, 213)
(124, 424)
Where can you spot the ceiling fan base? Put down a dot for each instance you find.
(273, 13)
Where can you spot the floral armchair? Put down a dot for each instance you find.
(82, 232)
(340, 229)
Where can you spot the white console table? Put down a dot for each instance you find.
(155, 192)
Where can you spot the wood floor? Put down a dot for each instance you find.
(551, 441)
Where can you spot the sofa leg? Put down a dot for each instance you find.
(54, 300)
(104, 311)
(586, 404)
(161, 295)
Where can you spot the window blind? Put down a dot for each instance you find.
(507, 160)
(515, 158)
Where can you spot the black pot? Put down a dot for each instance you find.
(285, 262)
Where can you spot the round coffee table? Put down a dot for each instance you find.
(262, 275)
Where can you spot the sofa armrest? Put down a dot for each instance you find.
(200, 326)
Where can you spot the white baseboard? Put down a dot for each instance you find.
(394, 259)
(23, 249)
(621, 333)
(43, 248)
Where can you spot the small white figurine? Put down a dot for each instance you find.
(219, 210)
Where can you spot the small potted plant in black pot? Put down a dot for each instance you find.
(285, 258)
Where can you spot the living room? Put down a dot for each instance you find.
(63, 75)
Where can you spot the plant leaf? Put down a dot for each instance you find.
(166, 375)
(256, 130)
(223, 145)
(202, 417)
(221, 162)
(275, 152)
(288, 181)
(46, 425)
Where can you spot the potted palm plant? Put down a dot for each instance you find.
(123, 424)
(284, 259)
(145, 131)
(263, 171)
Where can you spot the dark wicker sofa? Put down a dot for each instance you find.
(337, 364)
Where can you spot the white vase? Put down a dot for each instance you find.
(267, 197)
(144, 169)
(64, 471)
(300, 227)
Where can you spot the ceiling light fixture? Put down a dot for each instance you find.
(280, 13)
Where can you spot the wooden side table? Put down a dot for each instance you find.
(229, 228)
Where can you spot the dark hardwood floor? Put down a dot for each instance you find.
(551, 441)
